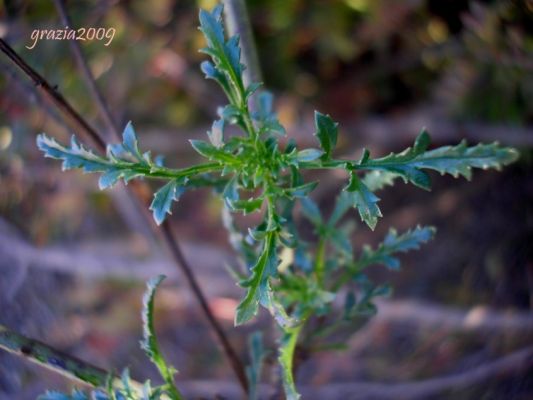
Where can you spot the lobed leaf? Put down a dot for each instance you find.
(326, 132)
(163, 198)
(364, 200)
(394, 243)
(287, 347)
(454, 160)
(149, 342)
(75, 156)
(377, 180)
(257, 284)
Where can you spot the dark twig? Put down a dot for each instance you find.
(178, 256)
(51, 91)
(87, 74)
(167, 233)
(128, 206)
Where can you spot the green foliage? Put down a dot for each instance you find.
(394, 243)
(149, 342)
(123, 388)
(326, 132)
(255, 173)
(286, 359)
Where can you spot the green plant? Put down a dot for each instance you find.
(258, 173)
(108, 386)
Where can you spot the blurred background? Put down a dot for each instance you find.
(73, 260)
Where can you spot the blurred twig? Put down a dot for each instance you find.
(238, 23)
(87, 74)
(127, 205)
(516, 362)
(165, 230)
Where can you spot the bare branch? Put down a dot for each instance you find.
(87, 74)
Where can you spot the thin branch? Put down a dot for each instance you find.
(166, 230)
(48, 357)
(61, 363)
(52, 92)
(477, 319)
(87, 74)
(127, 205)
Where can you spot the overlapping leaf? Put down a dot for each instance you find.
(394, 243)
(364, 200)
(326, 132)
(257, 284)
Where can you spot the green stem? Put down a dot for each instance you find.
(168, 173)
(286, 360)
(320, 263)
(55, 360)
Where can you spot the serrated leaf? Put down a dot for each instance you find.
(163, 198)
(364, 200)
(75, 156)
(130, 142)
(211, 72)
(225, 55)
(149, 343)
(118, 164)
(211, 26)
(326, 132)
(377, 180)
(276, 309)
(286, 357)
(394, 243)
(257, 284)
(454, 160)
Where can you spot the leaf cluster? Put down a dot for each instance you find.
(258, 172)
(123, 388)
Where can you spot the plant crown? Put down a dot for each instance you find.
(256, 172)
